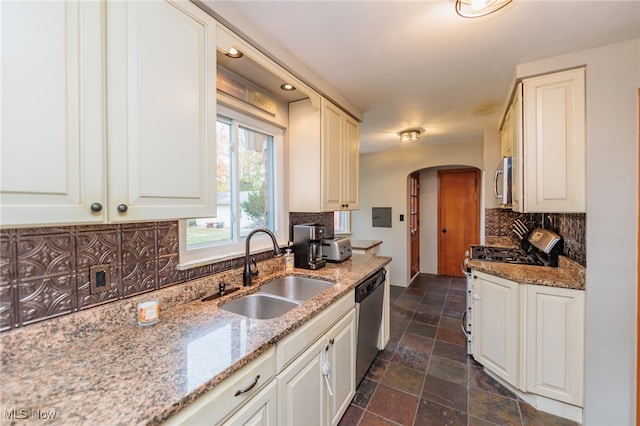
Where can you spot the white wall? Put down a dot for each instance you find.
(383, 183)
(613, 78)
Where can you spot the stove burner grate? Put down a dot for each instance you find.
(505, 255)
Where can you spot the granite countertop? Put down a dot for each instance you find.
(568, 274)
(364, 244)
(99, 367)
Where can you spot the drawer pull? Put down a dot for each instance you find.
(248, 388)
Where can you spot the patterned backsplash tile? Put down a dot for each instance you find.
(45, 272)
(570, 226)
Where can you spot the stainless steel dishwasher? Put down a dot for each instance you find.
(369, 297)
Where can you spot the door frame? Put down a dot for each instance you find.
(410, 233)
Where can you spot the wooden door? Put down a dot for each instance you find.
(458, 217)
(414, 223)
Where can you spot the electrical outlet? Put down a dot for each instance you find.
(100, 278)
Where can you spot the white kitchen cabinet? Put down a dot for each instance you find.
(318, 386)
(53, 108)
(555, 343)
(496, 322)
(121, 126)
(161, 74)
(323, 158)
(551, 162)
(260, 410)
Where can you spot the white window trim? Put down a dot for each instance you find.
(260, 241)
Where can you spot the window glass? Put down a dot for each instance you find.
(342, 222)
(249, 188)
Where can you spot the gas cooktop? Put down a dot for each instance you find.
(506, 255)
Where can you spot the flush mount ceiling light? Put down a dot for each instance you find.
(477, 8)
(409, 135)
(288, 87)
(234, 53)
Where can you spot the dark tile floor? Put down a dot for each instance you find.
(424, 376)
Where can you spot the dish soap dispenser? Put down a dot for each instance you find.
(288, 260)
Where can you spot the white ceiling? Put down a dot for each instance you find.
(418, 64)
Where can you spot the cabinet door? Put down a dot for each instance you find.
(331, 157)
(161, 76)
(506, 139)
(259, 411)
(301, 389)
(554, 142)
(515, 134)
(342, 366)
(555, 343)
(351, 150)
(495, 325)
(52, 84)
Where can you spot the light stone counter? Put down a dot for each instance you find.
(98, 367)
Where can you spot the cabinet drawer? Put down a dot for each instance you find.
(221, 401)
(294, 344)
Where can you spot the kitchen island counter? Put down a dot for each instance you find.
(99, 367)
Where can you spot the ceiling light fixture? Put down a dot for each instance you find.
(409, 135)
(234, 53)
(288, 87)
(477, 8)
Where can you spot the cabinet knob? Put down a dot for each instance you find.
(476, 297)
(96, 207)
(122, 208)
(443, 230)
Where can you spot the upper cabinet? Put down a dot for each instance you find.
(139, 97)
(161, 75)
(323, 158)
(53, 110)
(549, 172)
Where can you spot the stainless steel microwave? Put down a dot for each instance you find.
(502, 182)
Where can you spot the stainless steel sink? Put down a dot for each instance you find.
(293, 287)
(260, 306)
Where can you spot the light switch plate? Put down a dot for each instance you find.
(100, 278)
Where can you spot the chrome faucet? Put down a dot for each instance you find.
(248, 273)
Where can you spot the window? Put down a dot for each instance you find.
(342, 222)
(250, 187)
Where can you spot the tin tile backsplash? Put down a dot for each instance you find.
(45, 272)
(570, 226)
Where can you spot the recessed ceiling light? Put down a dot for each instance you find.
(288, 87)
(234, 53)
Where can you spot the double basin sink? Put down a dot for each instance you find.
(277, 297)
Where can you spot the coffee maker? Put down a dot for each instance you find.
(307, 245)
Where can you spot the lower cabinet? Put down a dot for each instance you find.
(318, 386)
(530, 336)
(496, 319)
(555, 343)
(260, 410)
